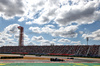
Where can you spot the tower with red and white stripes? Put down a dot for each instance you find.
(21, 43)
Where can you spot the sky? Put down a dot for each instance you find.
(50, 22)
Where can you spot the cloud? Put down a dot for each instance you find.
(82, 13)
(31, 43)
(1, 41)
(47, 15)
(53, 2)
(54, 39)
(41, 20)
(21, 19)
(59, 44)
(38, 39)
(9, 34)
(13, 28)
(11, 43)
(94, 35)
(51, 26)
(45, 29)
(76, 42)
(64, 40)
(29, 23)
(68, 31)
(9, 8)
(35, 29)
(41, 11)
(9, 31)
(80, 32)
(4, 38)
(63, 12)
(42, 41)
(47, 42)
(16, 36)
(6, 34)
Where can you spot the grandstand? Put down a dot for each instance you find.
(76, 50)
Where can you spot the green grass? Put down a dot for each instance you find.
(49, 64)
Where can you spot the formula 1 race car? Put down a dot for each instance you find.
(56, 59)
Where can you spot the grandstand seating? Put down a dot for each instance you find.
(80, 50)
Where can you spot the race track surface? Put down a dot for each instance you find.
(46, 59)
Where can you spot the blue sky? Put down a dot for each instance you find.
(50, 22)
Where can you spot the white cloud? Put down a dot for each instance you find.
(41, 8)
(76, 42)
(47, 15)
(80, 32)
(51, 26)
(94, 35)
(9, 31)
(11, 43)
(82, 13)
(21, 19)
(58, 44)
(54, 39)
(47, 42)
(4, 38)
(16, 36)
(38, 39)
(13, 28)
(41, 20)
(35, 29)
(31, 43)
(29, 23)
(2, 41)
(7, 36)
(32, 8)
(9, 8)
(64, 40)
(47, 29)
(53, 2)
(42, 41)
(68, 31)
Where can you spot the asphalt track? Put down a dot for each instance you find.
(46, 59)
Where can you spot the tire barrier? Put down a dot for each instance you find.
(11, 57)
